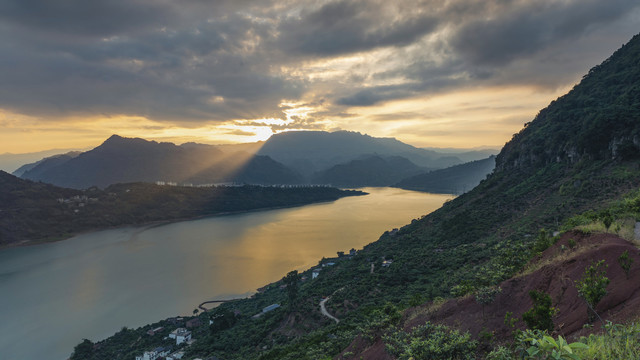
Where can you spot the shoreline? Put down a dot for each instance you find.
(157, 223)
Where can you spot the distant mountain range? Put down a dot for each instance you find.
(37, 168)
(119, 160)
(10, 162)
(311, 151)
(371, 170)
(342, 158)
(457, 179)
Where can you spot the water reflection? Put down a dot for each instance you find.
(90, 286)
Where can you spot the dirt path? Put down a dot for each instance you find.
(324, 311)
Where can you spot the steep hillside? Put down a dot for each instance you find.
(367, 171)
(554, 272)
(598, 119)
(120, 160)
(312, 151)
(457, 179)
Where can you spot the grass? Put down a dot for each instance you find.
(618, 342)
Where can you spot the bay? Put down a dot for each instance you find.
(90, 286)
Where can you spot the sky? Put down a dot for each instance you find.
(431, 73)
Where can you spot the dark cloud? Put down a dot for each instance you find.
(86, 18)
(200, 60)
(524, 28)
(498, 43)
(347, 26)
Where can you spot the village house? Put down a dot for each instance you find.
(315, 273)
(155, 331)
(180, 335)
(154, 354)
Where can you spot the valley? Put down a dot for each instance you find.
(572, 173)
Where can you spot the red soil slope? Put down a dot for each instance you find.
(557, 275)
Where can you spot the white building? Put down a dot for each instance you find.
(176, 355)
(155, 354)
(181, 335)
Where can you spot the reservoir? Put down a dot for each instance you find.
(90, 286)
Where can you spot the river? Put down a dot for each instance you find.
(90, 286)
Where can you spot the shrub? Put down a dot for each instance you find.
(486, 295)
(543, 241)
(544, 347)
(593, 286)
(625, 262)
(540, 316)
(431, 341)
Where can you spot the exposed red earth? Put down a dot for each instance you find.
(555, 272)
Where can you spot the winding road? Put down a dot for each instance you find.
(324, 311)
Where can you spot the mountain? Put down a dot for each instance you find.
(575, 168)
(119, 160)
(36, 169)
(35, 212)
(311, 151)
(367, 171)
(456, 179)
(10, 162)
(465, 155)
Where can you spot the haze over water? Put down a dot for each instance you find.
(54, 295)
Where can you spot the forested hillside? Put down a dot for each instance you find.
(33, 212)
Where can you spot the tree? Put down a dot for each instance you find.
(486, 295)
(82, 351)
(593, 286)
(543, 241)
(607, 220)
(540, 316)
(291, 280)
(625, 262)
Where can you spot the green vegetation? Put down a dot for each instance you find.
(431, 341)
(38, 212)
(540, 316)
(592, 287)
(618, 342)
(625, 262)
(544, 347)
(485, 295)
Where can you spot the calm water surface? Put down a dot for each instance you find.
(52, 296)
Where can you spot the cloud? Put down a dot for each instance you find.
(347, 26)
(526, 27)
(216, 61)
